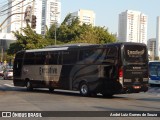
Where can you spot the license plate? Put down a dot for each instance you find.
(136, 87)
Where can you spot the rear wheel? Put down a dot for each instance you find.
(84, 89)
(29, 86)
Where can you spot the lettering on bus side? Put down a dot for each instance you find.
(47, 70)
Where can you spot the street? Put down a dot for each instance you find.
(19, 99)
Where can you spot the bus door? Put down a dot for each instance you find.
(17, 67)
(135, 68)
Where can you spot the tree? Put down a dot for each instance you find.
(29, 40)
(73, 32)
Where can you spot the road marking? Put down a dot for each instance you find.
(8, 85)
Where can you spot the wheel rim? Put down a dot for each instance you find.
(84, 89)
(28, 84)
(29, 87)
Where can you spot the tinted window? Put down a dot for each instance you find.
(18, 64)
(53, 57)
(86, 54)
(69, 57)
(29, 59)
(40, 58)
(111, 55)
(135, 53)
(154, 68)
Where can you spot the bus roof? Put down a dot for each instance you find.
(79, 45)
(47, 49)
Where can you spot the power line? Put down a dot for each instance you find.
(16, 9)
(13, 6)
(6, 5)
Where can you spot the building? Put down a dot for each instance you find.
(5, 40)
(151, 44)
(51, 13)
(158, 37)
(47, 12)
(132, 27)
(84, 16)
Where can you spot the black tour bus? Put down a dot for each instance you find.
(108, 69)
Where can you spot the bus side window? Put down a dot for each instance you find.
(29, 59)
(40, 58)
(53, 57)
(111, 58)
(69, 57)
(86, 55)
(111, 55)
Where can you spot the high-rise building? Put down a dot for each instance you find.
(47, 12)
(84, 16)
(151, 44)
(132, 27)
(51, 13)
(158, 37)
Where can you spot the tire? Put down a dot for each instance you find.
(84, 89)
(29, 86)
(51, 89)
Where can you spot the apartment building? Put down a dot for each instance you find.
(85, 16)
(158, 37)
(132, 27)
(151, 44)
(47, 12)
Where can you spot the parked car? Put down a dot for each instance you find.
(1, 71)
(8, 74)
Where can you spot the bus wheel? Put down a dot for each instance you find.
(84, 89)
(51, 89)
(29, 86)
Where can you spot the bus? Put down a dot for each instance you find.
(154, 73)
(107, 69)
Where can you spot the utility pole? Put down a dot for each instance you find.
(153, 51)
(33, 7)
(55, 34)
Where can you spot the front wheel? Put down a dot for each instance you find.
(29, 86)
(84, 89)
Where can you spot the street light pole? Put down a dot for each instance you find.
(55, 31)
(55, 34)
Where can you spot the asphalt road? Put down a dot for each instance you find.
(19, 99)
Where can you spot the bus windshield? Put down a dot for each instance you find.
(135, 54)
(154, 69)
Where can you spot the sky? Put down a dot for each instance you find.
(107, 11)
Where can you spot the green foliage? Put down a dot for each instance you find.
(67, 32)
(73, 32)
(29, 40)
